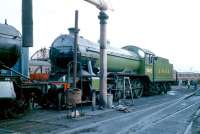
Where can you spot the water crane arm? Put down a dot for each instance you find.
(101, 5)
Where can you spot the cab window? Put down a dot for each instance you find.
(149, 59)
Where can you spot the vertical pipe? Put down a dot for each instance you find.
(27, 23)
(25, 61)
(27, 34)
(75, 49)
(103, 59)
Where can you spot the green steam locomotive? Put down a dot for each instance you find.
(131, 70)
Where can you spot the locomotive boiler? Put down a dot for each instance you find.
(119, 60)
(130, 69)
(10, 43)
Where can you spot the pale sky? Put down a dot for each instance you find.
(169, 28)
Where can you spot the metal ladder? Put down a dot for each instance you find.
(127, 79)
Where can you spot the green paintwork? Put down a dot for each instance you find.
(137, 50)
(135, 64)
(121, 64)
(95, 83)
(142, 67)
(162, 68)
(149, 71)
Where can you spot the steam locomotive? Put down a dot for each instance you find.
(10, 42)
(131, 70)
(16, 90)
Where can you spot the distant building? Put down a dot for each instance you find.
(188, 76)
(39, 65)
(36, 66)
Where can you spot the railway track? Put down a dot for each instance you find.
(153, 119)
(132, 122)
(141, 118)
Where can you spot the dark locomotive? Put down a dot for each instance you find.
(10, 52)
(16, 89)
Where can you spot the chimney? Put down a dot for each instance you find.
(71, 31)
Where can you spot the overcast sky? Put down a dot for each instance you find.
(169, 28)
